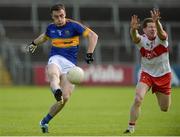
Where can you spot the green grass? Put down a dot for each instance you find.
(91, 111)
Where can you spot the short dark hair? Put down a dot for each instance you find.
(57, 7)
(146, 21)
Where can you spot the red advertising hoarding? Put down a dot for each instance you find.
(39, 76)
(108, 75)
(95, 75)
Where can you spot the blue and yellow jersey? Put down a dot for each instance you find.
(65, 39)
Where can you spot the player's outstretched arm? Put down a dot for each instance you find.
(155, 14)
(134, 26)
(39, 40)
(92, 42)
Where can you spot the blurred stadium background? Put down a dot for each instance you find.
(117, 60)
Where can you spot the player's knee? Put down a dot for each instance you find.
(138, 100)
(59, 96)
(66, 98)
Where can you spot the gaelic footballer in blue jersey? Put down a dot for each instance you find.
(64, 36)
(65, 39)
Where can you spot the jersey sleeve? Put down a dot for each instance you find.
(141, 42)
(81, 29)
(163, 42)
(47, 33)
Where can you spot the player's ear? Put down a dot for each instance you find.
(144, 30)
(64, 13)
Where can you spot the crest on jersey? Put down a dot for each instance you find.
(150, 45)
(67, 32)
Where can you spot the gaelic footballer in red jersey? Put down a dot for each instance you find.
(155, 67)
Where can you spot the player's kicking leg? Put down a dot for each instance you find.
(53, 111)
(141, 89)
(61, 97)
(54, 78)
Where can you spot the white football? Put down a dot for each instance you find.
(75, 75)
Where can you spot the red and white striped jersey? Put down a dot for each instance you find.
(154, 56)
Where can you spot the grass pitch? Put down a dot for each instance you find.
(91, 111)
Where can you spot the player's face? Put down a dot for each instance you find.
(59, 17)
(150, 30)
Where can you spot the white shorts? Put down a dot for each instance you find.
(63, 64)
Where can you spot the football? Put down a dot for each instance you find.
(75, 75)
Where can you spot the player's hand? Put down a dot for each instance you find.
(135, 22)
(31, 47)
(89, 58)
(155, 14)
